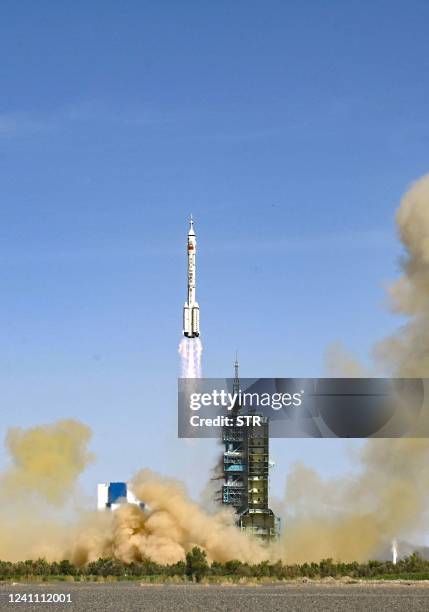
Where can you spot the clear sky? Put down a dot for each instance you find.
(290, 129)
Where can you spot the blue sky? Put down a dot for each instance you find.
(289, 129)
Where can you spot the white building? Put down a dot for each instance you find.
(110, 495)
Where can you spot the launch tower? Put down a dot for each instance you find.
(234, 489)
(246, 473)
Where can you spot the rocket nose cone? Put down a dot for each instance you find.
(191, 227)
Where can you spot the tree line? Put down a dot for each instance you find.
(196, 567)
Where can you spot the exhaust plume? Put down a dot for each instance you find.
(190, 351)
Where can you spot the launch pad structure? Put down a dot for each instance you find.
(246, 473)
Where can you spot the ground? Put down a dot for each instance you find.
(304, 597)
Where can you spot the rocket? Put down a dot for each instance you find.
(191, 310)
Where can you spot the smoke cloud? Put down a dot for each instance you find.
(45, 463)
(406, 353)
(354, 518)
(167, 530)
(46, 460)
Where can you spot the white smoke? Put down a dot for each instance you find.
(190, 351)
(394, 552)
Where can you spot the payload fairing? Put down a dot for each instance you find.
(191, 310)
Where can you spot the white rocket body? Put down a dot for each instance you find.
(191, 310)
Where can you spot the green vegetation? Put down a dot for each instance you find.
(196, 564)
(196, 568)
